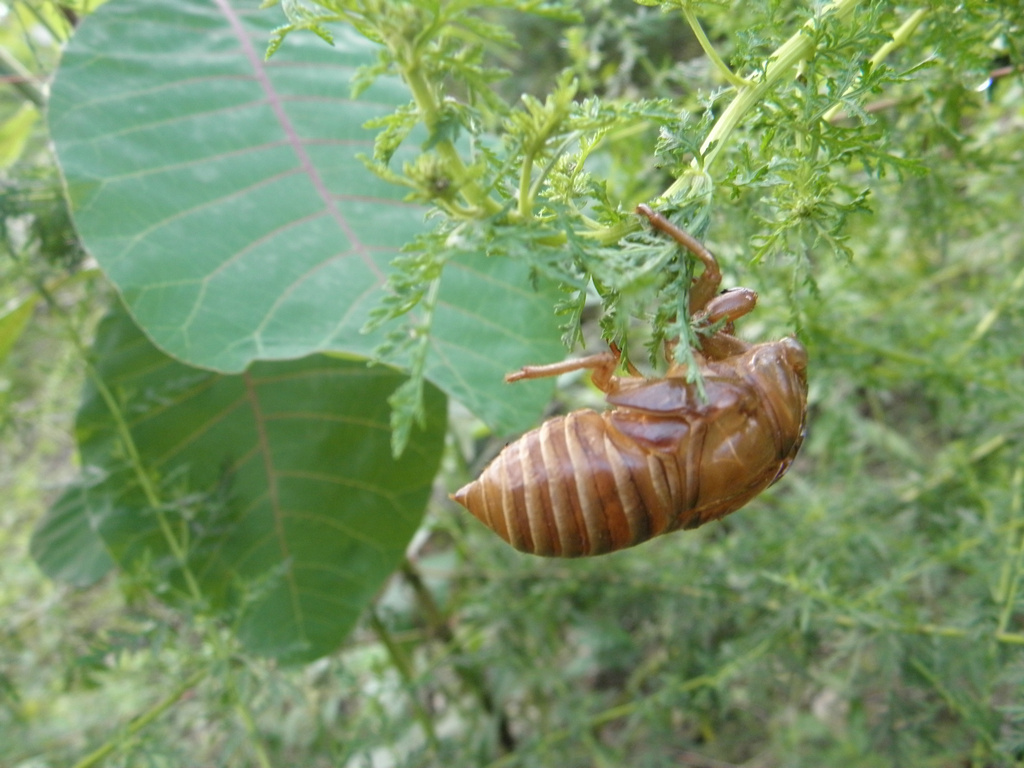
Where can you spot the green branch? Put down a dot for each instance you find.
(797, 48)
(627, 709)
(430, 110)
(21, 79)
(401, 663)
(899, 37)
(472, 678)
(1011, 576)
(709, 49)
(145, 482)
(140, 722)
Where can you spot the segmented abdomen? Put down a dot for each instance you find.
(576, 486)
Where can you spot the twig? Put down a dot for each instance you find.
(797, 48)
(899, 37)
(1010, 583)
(141, 721)
(401, 663)
(471, 677)
(20, 78)
(625, 710)
(709, 49)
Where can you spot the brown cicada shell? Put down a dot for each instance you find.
(662, 459)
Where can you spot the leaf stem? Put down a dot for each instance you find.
(525, 192)
(407, 402)
(535, 187)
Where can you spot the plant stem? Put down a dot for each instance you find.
(128, 442)
(1011, 584)
(238, 700)
(401, 663)
(785, 57)
(899, 37)
(255, 742)
(21, 79)
(709, 49)
(932, 630)
(946, 474)
(425, 99)
(471, 677)
(153, 499)
(46, 20)
(1007, 298)
(628, 708)
(141, 475)
(140, 722)
(953, 701)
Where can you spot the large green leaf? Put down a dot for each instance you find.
(279, 483)
(222, 195)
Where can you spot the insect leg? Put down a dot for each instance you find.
(603, 366)
(731, 305)
(704, 287)
(633, 370)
